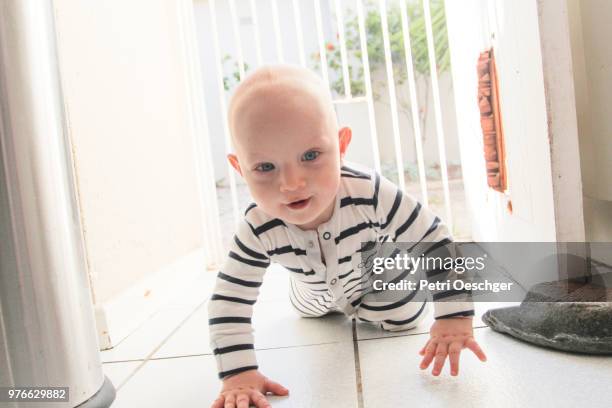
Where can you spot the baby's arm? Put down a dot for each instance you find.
(403, 219)
(230, 310)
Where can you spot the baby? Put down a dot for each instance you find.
(312, 214)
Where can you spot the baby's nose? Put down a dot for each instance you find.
(292, 181)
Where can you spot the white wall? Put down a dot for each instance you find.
(591, 31)
(126, 99)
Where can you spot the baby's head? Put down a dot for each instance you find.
(288, 146)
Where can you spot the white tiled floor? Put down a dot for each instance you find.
(191, 381)
(516, 374)
(167, 362)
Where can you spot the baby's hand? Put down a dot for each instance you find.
(448, 338)
(242, 389)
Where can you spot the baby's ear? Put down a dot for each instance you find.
(233, 159)
(345, 134)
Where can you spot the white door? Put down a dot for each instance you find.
(526, 211)
(538, 204)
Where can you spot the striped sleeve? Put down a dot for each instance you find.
(230, 307)
(404, 219)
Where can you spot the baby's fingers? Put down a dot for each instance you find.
(453, 355)
(441, 353)
(274, 387)
(230, 401)
(218, 403)
(242, 401)
(429, 354)
(422, 352)
(259, 400)
(473, 345)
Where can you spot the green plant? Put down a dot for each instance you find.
(376, 55)
(234, 79)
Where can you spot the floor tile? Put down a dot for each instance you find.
(276, 325)
(144, 340)
(176, 382)
(199, 290)
(119, 372)
(275, 322)
(276, 284)
(190, 339)
(371, 331)
(317, 376)
(516, 374)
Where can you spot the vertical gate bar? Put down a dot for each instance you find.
(368, 85)
(414, 103)
(297, 16)
(321, 37)
(223, 105)
(256, 31)
(277, 31)
(343, 56)
(236, 31)
(392, 99)
(197, 104)
(438, 111)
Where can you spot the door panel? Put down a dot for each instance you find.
(525, 212)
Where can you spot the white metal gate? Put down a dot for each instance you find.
(341, 71)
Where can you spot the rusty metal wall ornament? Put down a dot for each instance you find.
(490, 121)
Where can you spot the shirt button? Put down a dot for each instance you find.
(333, 281)
(310, 244)
(326, 235)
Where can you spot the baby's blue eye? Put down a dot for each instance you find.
(311, 155)
(265, 167)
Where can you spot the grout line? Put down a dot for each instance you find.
(359, 384)
(483, 326)
(136, 360)
(401, 334)
(211, 354)
(256, 349)
(149, 357)
(156, 349)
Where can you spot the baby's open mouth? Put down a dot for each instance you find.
(299, 204)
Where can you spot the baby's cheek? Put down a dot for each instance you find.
(261, 183)
(333, 182)
(265, 194)
(261, 195)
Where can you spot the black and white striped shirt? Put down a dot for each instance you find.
(369, 208)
